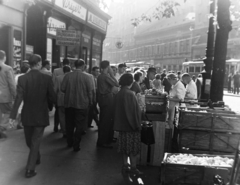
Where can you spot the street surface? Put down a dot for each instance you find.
(61, 166)
(233, 101)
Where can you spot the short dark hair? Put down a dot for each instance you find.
(104, 64)
(79, 63)
(113, 67)
(137, 75)
(178, 72)
(158, 76)
(2, 54)
(24, 68)
(34, 59)
(94, 68)
(45, 62)
(66, 69)
(122, 65)
(126, 80)
(65, 62)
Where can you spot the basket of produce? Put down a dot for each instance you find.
(194, 169)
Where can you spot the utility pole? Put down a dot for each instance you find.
(224, 27)
(208, 60)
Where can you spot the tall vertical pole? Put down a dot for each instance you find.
(224, 27)
(208, 61)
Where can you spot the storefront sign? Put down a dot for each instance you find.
(96, 42)
(68, 37)
(50, 1)
(72, 7)
(96, 21)
(53, 24)
(29, 49)
(86, 38)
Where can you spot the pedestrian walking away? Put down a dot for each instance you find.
(77, 87)
(36, 90)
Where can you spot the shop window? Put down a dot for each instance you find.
(191, 69)
(198, 69)
(17, 50)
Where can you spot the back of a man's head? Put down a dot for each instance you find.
(65, 62)
(45, 62)
(34, 60)
(2, 54)
(186, 75)
(24, 69)
(104, 64)
(95, 68)
(66, 69)
(79, 63)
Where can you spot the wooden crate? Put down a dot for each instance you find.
(175, 174)
(155, 117)
(207, 141)
(156, 104)
(217, 121)
(163, 137)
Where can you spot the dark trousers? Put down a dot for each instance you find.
(105, 128)
(75, 120)
(236, 88)
(93, 115)
(56, 117)
(33, 136)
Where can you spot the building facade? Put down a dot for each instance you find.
(40, 27)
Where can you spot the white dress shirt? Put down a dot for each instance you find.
(191, 90)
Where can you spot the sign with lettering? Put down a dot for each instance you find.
(96, 21)
(68, 38)
(53, 24)
(72, 7)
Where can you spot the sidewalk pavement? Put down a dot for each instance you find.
(61, 166)
(226, 93)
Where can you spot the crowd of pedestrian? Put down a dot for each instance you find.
(107, 96)
(234, 82)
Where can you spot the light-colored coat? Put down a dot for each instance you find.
(7, 84)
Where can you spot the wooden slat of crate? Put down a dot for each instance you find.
(205, 140)
(157, 150)
(226, 122)
(155, 117)
(175, 174)
(195, 119)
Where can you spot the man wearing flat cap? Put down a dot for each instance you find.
(146, 84)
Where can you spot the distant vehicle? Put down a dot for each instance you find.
(196, 67)
(193, 67)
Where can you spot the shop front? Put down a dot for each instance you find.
(11, 31)
(45, 22)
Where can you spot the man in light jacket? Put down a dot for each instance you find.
(7, 93)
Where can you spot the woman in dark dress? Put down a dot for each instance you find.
(127, 121)
(136, 84)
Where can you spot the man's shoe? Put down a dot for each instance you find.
(64, 136)
(30, 173)
(105, 146)
(90, 126)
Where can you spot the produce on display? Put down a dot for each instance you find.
(189, 159)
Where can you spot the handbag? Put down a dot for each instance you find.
(147, 135)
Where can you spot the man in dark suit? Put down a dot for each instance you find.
(36, 90)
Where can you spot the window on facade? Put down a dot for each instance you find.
(191, 69)
(198, 69)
